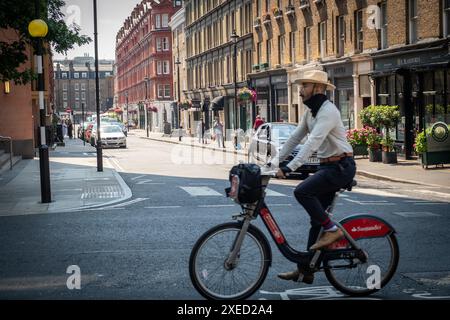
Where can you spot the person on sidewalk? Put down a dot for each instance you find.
(218, 132)
(70, 129)
(258, 122)
(327, 135)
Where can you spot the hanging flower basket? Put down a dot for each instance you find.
(185, 105)
(246, 94)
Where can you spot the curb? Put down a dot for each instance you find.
(197, 146)
(385, 178)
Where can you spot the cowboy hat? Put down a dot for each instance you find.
(315, 76)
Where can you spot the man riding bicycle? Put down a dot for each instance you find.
(327, 135)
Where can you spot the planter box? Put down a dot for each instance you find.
(375, 155)
(434, 158)
(360, 150)
(389, 157)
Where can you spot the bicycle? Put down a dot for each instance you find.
(241, 255)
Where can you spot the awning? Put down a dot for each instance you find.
(217, 103)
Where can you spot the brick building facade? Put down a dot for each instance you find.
(19, 107)
(144, 64)
(375, 52)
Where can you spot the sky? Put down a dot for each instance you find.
(110, 17)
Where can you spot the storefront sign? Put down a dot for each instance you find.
(262, 82)
(279, 79)
(411, 59)
(341, 70)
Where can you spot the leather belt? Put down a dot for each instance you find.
(336, 158)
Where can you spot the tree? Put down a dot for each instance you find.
(16, 15)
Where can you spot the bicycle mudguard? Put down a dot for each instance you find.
(364, 227)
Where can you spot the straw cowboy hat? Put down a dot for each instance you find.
(316, 76)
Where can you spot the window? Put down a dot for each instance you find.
(65, 104)
(323, 39)
(308, 43)
(280, 49)
(165, 20)
(412, 17)
(383, 21)
(76, 75)
(158, 21)
(268, 50)
(167, 91)
(158, 44)
(107, 74)
(259, 8)
(83, 96)
(359, 35)
(292, 53)
(77, 86)
(159, 67)
(160, 91)
(446, 19)
(84, 75)
(166, 68)
(77, 96)
(83, 86)
(64, 86)
(258, 52)
(65, 96)
(267, 5)
(340, 35)
(64, 75)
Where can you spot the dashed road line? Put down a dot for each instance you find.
(416, 214)
(200, 191)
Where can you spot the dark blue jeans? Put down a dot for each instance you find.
(316, 193)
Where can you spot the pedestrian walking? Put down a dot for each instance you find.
(70, 129)
(218, 132)
(64, 126)
(258, 122)
(199, 131)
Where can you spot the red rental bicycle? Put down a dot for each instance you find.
(231, 260)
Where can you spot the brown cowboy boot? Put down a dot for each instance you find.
(297, 276)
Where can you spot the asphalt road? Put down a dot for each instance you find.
(140, 249)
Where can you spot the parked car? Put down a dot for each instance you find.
(111, 136)
(268, 140)
(122, 126)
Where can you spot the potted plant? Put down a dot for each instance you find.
(266, 18)
(441, 155)
(374, 144)
(388, 155)
(290, 10)
(277, 13)
(358, 140)
(385, 117)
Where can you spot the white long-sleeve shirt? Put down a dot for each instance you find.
(327, 135)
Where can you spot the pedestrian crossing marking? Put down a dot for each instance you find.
(416, 214)
(201, 191)
(271, 193)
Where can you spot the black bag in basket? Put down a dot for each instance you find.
(245, 180)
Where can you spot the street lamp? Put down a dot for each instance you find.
(177, 63)
(38, 29)
(146, 79)
(234, 38)
(97, 95)
(126, 100)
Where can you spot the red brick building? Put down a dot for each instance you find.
(19, 108)
(144, 51)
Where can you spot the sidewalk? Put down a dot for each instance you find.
(75, 183)
(406, 171)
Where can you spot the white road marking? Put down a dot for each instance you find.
(430, 203)
(217, 205)
(371, 202)
(202, 184)
(135, 178)
(200, 191)
(416, 214)
(375, 192)
(163, 207)
(271, 193)
(281, 205)
(121, 205)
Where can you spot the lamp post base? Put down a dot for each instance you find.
(44, 163)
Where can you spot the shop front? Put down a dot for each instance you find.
(418, 81)
(341, 75)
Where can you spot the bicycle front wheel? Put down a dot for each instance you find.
(209, 272)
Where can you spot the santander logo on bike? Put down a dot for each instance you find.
(376, 227)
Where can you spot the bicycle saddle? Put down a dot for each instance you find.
(350, 186)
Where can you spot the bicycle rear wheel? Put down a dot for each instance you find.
(209, 273)
(366, 278)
